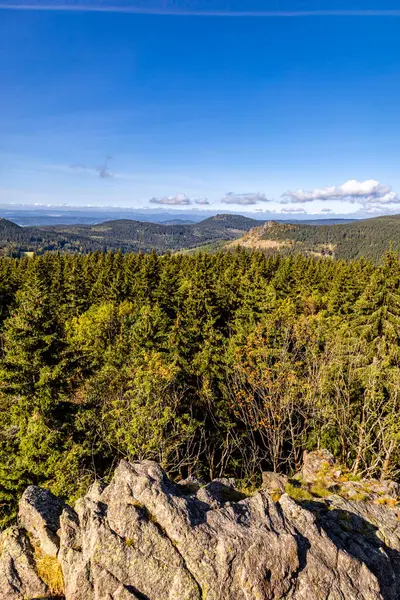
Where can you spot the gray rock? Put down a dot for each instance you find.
(274, 482)
(388, 488)
(316, 464)
(191, 484)
(18, 577)
(218, 492)
(39, 513)
(146, 538)
(154, 542)
(393, 489)
(371, 489)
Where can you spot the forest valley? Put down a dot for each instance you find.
(211, 364)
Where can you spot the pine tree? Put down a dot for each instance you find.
(32, 341)
(377, 312)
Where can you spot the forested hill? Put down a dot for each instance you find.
(369, 238)
(8, 227)
(126, 235)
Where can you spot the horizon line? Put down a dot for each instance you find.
(109, 8)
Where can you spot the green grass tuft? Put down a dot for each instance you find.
(296, 492)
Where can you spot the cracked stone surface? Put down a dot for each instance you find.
(18, 578)
(144, 537)
(39, 513)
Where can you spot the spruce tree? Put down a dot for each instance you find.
(377, 312)
(32, 341)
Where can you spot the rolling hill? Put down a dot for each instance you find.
(123, 234)
(369, 238)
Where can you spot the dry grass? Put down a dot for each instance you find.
(49, 570)
(275, 495)
(387, 501)
(349, 476)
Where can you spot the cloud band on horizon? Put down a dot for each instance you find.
(176, 11)
(294, 210)
(179, 200)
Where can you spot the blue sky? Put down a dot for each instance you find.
(290, 115)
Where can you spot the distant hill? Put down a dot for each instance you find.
(124, 234)
(369, 238)
(10, 233)
(8, 228)
(229, 222)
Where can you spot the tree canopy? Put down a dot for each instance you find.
(212, 364)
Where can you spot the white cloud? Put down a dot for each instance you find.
(356, 192)
(385, 208)
(372, 209)
(293, 210)
(389, 198)
(326, 210)
(178, 200)
(244, 199)
(201, 201)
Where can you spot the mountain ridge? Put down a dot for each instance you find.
(124, 234)
(369, 238)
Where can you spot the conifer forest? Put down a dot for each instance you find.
(221, 364)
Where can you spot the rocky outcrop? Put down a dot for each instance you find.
(319, 468)
(39, 513)
(144, 537)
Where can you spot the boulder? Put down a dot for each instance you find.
(393, 489)
(317, 464)
(274, 482)
(371, 489)
(39, 513)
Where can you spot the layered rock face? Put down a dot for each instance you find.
(144, 537)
